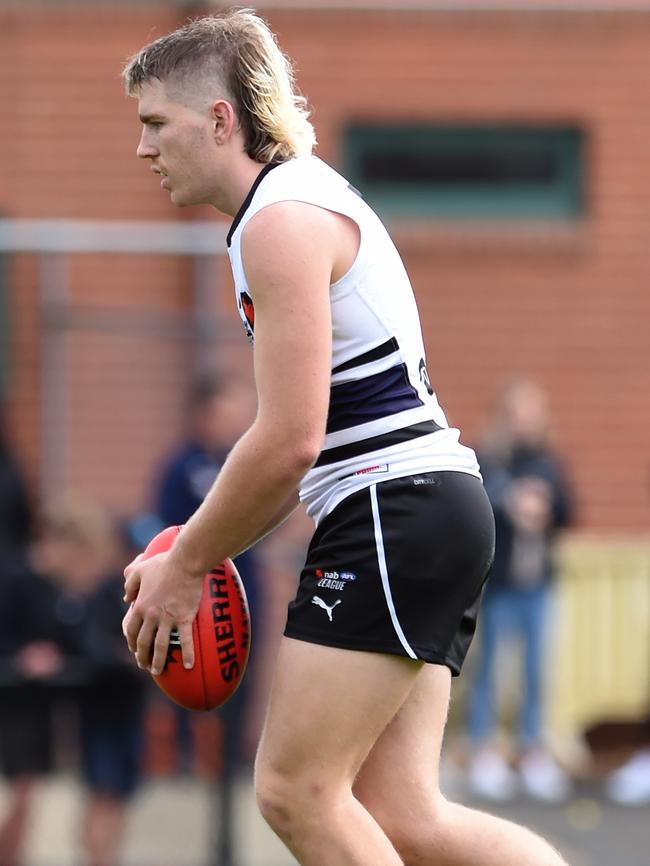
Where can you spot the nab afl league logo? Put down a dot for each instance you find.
(247, 312)
(424, 376)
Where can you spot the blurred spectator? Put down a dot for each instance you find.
(15, 510)
(531, 502)
(25, 750)
(27, 656)
(630, 784)
(66, 641)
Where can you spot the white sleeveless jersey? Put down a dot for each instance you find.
(384, 420)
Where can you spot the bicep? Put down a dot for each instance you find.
(288, 271)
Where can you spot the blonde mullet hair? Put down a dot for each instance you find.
(239, 49)
(268, 97)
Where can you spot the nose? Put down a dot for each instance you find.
(146, 148)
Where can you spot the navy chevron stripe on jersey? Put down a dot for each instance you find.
(362, 400)
(374, 443)
(375, 354)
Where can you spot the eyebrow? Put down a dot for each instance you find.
(147, 118)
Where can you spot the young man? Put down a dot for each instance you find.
(385, 610)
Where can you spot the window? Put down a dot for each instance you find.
(468, 172)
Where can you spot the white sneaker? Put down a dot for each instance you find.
(630, 784)
(543, 779)
(490, 778)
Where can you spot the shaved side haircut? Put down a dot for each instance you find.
(232, 56)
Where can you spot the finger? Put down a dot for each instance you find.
(160, 648)
(132, 625)
(134, 562)
(187, 643)
(144, 642)
(132, 586)
(125, 619)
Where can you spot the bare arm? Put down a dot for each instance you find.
(289, 253)
(286, 510)
(288, 272)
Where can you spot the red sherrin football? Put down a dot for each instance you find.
(221, 632)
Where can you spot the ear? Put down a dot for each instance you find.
(223, 120)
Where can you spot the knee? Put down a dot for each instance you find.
(291, 803)
(276, 799)
(416, 826)
(422, 841)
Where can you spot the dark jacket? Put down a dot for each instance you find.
(86, 630)
(15, 516)
(498, 475)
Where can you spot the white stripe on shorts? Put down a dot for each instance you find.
(383, 571)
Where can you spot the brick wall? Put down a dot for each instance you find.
(567, 305)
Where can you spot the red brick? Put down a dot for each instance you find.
(567, 305)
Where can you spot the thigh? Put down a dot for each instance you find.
(398, 782)
(328, 707)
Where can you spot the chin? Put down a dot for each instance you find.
(177, 199)
(180, 200)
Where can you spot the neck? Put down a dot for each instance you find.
(239, 183)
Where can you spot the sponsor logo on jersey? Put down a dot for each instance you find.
(370, 470)
(247, 310)
(424, 376)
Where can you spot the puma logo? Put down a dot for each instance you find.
(326, 607)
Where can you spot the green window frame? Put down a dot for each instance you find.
(468, 172)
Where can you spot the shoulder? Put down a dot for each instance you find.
(283, 220)
(291, 240)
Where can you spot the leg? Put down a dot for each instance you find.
(104, 829)
(398, 784)
(328, 707)
(12, 830)
(533, 625)
(110, 759)
(542, 778)
(489, 775)
(482, 701)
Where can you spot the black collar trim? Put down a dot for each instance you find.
(249, 198)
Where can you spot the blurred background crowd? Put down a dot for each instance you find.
(505, 145)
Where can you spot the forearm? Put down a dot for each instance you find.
(286, 509)
(254, 492)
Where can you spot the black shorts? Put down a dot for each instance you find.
(26, 731)
(398, 568)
